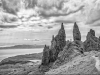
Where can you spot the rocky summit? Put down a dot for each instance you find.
(57, 44)
(76, 32)
(92, 42)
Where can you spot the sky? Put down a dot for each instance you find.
(37, 24)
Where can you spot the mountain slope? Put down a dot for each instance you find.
(79, 65)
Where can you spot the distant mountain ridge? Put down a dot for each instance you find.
(22, 47)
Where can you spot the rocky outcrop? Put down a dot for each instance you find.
(61, 50)
(70, 51)
(80, 65)
(76, 33)
(77, 38)
(61, 39)
(57, 44)
(92, 42)
(45, 57)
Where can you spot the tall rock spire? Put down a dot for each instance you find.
(62, 26)
(57, 44)
(62, 31)
(76, 32)
(92, 42)
(90, 34)
(45, 57)
(61, 37)
(53, 37)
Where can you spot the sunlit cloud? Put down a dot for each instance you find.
(36, 20)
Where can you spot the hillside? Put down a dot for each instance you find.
(82, 64)
(23, 47)
(18, 59)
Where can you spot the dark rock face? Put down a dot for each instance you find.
(57, 44)
(76, 33)
(60, 39)
(61, 50)
(45, 57)
(92, 42)
(70, 51)
(77, 37)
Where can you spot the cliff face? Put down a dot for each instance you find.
(92, 42)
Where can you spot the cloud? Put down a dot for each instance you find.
(94, 16)
(40, 25)
(8, 26)
(95, 24)
(32, 39)
(48, 4)
(49, 27)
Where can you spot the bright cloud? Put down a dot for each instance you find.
(44, 17)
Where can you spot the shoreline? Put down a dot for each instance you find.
(6, 53)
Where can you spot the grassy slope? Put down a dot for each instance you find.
(20, 65)
(21, 58)
(23, 47)
(79, 65)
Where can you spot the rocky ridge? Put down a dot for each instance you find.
(71, 49)
(92, 42)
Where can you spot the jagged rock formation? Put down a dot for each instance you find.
(57, 44)
(45, 57)
(61, 50)
(92, 42)
(70, 51)
(76, 33)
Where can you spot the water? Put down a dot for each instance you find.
(13, 52)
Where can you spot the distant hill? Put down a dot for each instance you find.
(23, 47)
(21, 58)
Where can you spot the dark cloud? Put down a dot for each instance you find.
(96, 23)
(13, 6)
(40, 25)
(93, 21)
(8, 26)
(10, 6)
(30, 3)
(65, 21)
(48, 4)
(49, 27)
(1, 29)
(56, 14)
